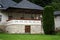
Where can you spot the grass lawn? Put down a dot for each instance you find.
(28, 37)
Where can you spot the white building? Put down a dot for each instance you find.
(22, 17)
(57, 19)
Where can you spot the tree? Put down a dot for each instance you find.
(56, 1)
(55, 4)
(48, 20)
(41, 2)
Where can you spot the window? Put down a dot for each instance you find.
(1, 6)
(0, 18)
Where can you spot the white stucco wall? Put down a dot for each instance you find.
(57, 21)
(4, 18)
(36, 29)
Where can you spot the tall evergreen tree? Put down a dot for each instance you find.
(48, 20)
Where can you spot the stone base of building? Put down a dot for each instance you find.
(21, 29)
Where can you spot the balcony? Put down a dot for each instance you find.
(24, 22)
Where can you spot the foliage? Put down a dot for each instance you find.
(48, 20)
(55, 4)
(41, 2)
(56, 1)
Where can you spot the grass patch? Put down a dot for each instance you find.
(28, 37)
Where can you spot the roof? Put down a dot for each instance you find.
(28, 5)
(23, 4)
(57, 13)
(7, 3)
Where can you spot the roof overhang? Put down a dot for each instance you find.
(24, 4)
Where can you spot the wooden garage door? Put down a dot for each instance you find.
(27, 29)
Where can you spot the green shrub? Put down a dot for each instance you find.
(48, 20)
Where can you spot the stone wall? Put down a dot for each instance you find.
(34, 29)
(15, 29)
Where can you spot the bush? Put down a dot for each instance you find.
(48, 20)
